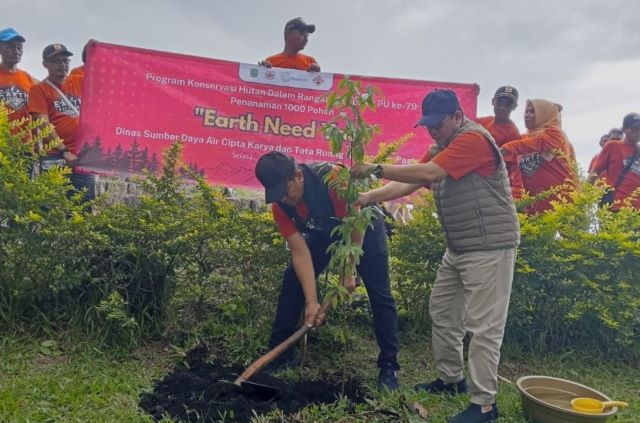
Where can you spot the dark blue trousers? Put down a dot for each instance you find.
(374, 271)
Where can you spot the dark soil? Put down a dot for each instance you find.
(203, 392)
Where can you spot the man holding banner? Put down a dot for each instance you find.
(473, 284)
(56, 101)
(306, 210)
(296, 36)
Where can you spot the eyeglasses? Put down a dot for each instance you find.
(438, 126)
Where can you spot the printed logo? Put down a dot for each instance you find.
(253, 72)
(269, 74)
(285, 76)
(63, 107)
(318, 80)
(14, 96)
(530, 164)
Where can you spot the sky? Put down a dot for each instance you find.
(583, 54)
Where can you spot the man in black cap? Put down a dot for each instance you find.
(619, 163)
(296, 36)
(471, 292)
(503, 130)
(56, 101)
(15, 84)
(306, 210)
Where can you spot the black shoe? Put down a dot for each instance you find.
(474, 414)
(387, 380)
(439, 387)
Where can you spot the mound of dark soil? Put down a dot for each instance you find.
(203, 392)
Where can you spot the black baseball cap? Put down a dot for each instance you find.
(300, 24)
(507, 91)
(616, 133)
(631, 120)
(274, 170)
(54, 50)
(436, 106)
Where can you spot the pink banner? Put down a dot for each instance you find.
(137, 102)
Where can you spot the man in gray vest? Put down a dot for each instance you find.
(473, 285)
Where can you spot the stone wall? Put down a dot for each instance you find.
(125, 190)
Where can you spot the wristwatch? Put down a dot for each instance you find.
(377, 171)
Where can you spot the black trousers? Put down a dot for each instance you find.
(374, 271)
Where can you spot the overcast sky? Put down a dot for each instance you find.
(583, 54)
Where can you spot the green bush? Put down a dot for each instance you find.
(576, 279)
(185, 262)
(42, 233)
(416, 251)
(575, 282)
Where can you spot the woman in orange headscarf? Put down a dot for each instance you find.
(544, 154)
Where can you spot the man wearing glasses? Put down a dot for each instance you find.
(471, 292)
(296, 36)
(56, 101)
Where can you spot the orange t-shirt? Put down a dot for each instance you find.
(14, 92)
(502, 133)
(544, 160)
(613, 158)
(45, 100)
(592, 164)
(299, 61)
(77, 72)
(469, 152)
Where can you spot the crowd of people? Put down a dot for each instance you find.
(475, 169)
(53, 103)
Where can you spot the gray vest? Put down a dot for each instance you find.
(477, 212)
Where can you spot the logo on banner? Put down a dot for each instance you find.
(14, 97)
(291, 78)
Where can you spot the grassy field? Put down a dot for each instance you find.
(68, 380)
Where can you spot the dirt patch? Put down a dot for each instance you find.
(201, 391)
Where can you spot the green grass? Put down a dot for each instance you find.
(68, 380)
(73, 382)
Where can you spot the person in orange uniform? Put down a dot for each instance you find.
(503, 130)
(619, 164)
(603, 140)
(79, 70)
(56, 101)
(296, 36)
(15, 84)
(544, 155)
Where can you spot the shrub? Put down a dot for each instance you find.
(575, 282)
(416, 251)
(43, 235)
(576, 279)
